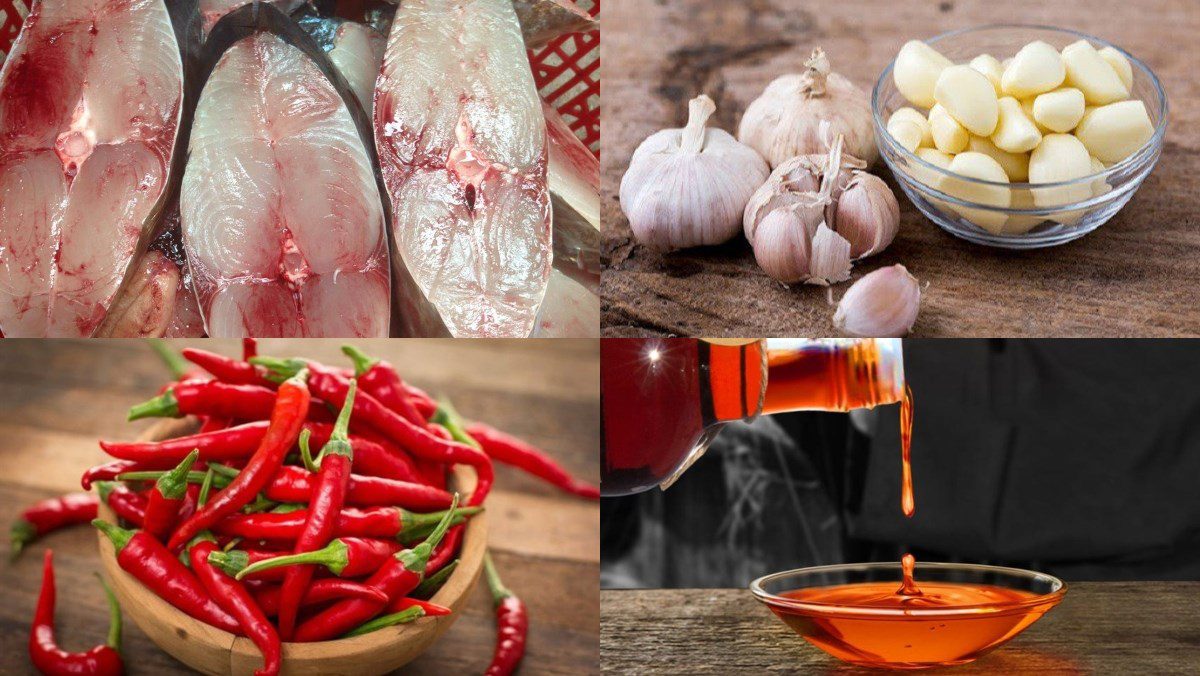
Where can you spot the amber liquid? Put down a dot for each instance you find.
(911, 641)
(662, 398)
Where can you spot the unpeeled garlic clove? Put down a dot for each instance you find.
(782, 244)
(867, 215)
(796, 181)
(830, 258)
(883, 304)
(688, 187)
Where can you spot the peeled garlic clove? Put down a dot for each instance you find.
(969, 97)
(916, 71)
(982, 167)
(1016, 165)
(867, 215)
(1060, 110)
(883, 304)
(1088, 72)
(991, 68)
(948, 135)
(830, 261)
(915, 117)
(797, 114)
(1015, 132)
(1060, 158)
(1037, 68)
(1120, 64)
(688, 187)
(781, 246)
(1115, 131)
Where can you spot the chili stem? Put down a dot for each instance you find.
(174, 361)
(403, 617)
(114, 616)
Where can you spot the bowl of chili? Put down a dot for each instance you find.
(213, 650)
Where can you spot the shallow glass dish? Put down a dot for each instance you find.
(912, 637)
(1074, 208)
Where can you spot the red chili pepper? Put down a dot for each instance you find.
(223, 368)
(416, 439)
(214, 424)
(328, 496)
(320, 591)
(234, 443)
(237, 601)
(380, 380)
(294, 484)
(49, 515)
(372, 522)
(287, 417)
(405, 602)
(249, 349)
(166, 498)
(397, 577)
(425, 404)
(111, 470)
(103, 660)
(513, 451)
(373, 455)
(147, 560)
(210, 397)
(126, 504)
(512, 624)
(445, 552)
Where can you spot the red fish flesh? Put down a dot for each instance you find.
(462, 146)
(282, 220)
(89, 109)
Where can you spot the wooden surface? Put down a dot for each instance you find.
(1099, 628)
(1138, 275)
(58, 397)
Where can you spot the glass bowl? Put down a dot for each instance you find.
(911, 637)
(1073, 209)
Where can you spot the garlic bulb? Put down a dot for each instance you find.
(867, 215)
(883, 304)
(784, 121)
(688, 187)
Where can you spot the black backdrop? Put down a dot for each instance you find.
(1080, 458)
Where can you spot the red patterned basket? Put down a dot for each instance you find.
(567, 70)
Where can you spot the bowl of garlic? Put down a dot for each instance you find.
(1016, 136)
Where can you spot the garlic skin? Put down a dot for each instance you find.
(867, 215)
(785, 120)
(883, 304)
(793, 182)
(689, 187)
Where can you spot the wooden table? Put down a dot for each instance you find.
(1137, 275)
(1100, 627)
(58, 397)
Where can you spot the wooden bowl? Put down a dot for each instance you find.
(213, 651)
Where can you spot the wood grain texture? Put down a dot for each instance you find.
(58, 397)
(1100, 628)
(1138, 275)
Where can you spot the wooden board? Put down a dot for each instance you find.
(1100, 627)
(1138, 275)
(58, 397)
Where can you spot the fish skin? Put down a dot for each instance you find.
(462, 147)
(282, 219)
(90, 100)
(358, 54)
(211, 11)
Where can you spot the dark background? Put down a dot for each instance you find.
(1079, 458)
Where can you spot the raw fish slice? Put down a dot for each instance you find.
(570, 309)
(89, 108)
(573, 173)
(543, 20)
(211, 11)
(282, 220)
(462, 146)
(358, 53)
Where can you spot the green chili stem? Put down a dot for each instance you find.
(332, 556)
(362, 362)
(174, 361)
(163, 406)
(403, 617)
(114, 616)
